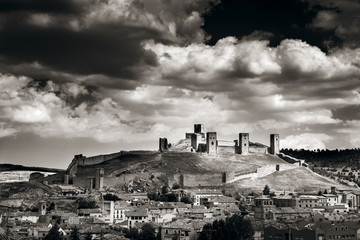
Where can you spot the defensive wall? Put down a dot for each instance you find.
(196, 180)
(260, 172)
(225, 149)
(202, 180)
(81, 160)
(89, 181)
(260, 150)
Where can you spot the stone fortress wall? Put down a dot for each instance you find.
(200, 141)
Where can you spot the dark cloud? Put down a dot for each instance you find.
(351, 112)
(44, 6)
(283, 18)
(109, 49)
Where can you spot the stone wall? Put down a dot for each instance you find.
(83, 182)
(202, 180)
(107, 181)
(261, 150)
(98, 159)
(225, 149)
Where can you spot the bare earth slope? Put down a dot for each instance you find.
(175, 162)
(295, 180)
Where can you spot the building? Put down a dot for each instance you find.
(202, 196)
(285, 201)
(137, 215)
(108, 211)
(120, 208)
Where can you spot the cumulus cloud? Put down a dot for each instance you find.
(351, 130)
(139, 68)
(306, 141)
(5, 131)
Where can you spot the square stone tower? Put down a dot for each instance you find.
(42, 207)
(199, 128)
(163, 144)
(274, 144)
(99, 179)
(244, 143)
(211, 142)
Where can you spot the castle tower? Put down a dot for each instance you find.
(99, 179)
(163, 144)
(199, 128)
(42, 207)
(66, 179)
(244, 143)
(274, 144)
(194, 141)
(211, 142)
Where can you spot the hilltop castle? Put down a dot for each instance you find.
(201, 142)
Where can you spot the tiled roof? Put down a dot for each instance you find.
(222, 199)
(138, 212)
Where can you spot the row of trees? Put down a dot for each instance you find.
(351, 156)
(233, 228)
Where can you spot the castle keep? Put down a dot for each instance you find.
(208, 142)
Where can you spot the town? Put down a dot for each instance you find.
(96, 198)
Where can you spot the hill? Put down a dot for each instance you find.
(13, 167)
(179, 162)
(151, 169)
(294, 180)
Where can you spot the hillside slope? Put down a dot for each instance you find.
(180, 159)
(294, 180)
(174, 162)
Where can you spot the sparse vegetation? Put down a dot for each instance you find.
(53, 234)
(84, 203)
(111, 197)
(266, 190)
(233, 228)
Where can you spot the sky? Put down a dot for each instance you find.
(100, 76)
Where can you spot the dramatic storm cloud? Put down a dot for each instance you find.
(100, 76)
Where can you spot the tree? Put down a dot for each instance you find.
(325, 192)
(153, 196)
(233, 228)
(185, 199)
(147, 232)
(133, 233)
(51, 207)
(86, 203)
(176, 186)
(53, 234)
(88, 236)
(111, 197)
(164, 190)
(266, 190)
(320, 193)
(171, 197)
(74, 235)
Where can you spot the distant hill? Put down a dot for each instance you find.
(13, 167)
